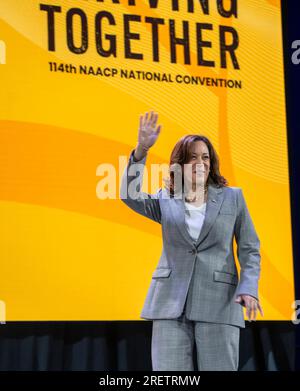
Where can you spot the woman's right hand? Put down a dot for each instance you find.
(148, 132)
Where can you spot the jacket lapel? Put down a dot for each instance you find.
(214, 201)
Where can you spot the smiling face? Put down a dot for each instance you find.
(197, 152)
(196, 169)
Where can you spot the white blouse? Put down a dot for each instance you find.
(194, 218)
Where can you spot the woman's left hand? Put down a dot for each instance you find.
(251, 304)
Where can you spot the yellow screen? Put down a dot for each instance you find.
(73, 85)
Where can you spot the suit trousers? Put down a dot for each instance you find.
(173, 342)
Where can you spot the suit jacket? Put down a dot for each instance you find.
(201, 274)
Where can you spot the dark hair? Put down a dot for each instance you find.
(181, 154)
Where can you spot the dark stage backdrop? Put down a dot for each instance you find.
(127, 345)
(291, 33)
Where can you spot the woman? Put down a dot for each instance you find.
(195, 295)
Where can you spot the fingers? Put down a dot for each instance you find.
(158, 129)
(252, 305)
(254, 310)
(155, 116)
(249, 307)
(149, 119)
(152, 119)
(152, 116)
(148, 126)
(141, 121)
(260, 309)
(248, 310)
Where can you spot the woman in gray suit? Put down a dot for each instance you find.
(196, 295)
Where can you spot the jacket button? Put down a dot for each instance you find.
(192, 251)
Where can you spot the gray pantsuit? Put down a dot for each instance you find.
(198, 277)
(173, 341)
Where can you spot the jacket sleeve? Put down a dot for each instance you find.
(130, 192)
(248, 250)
